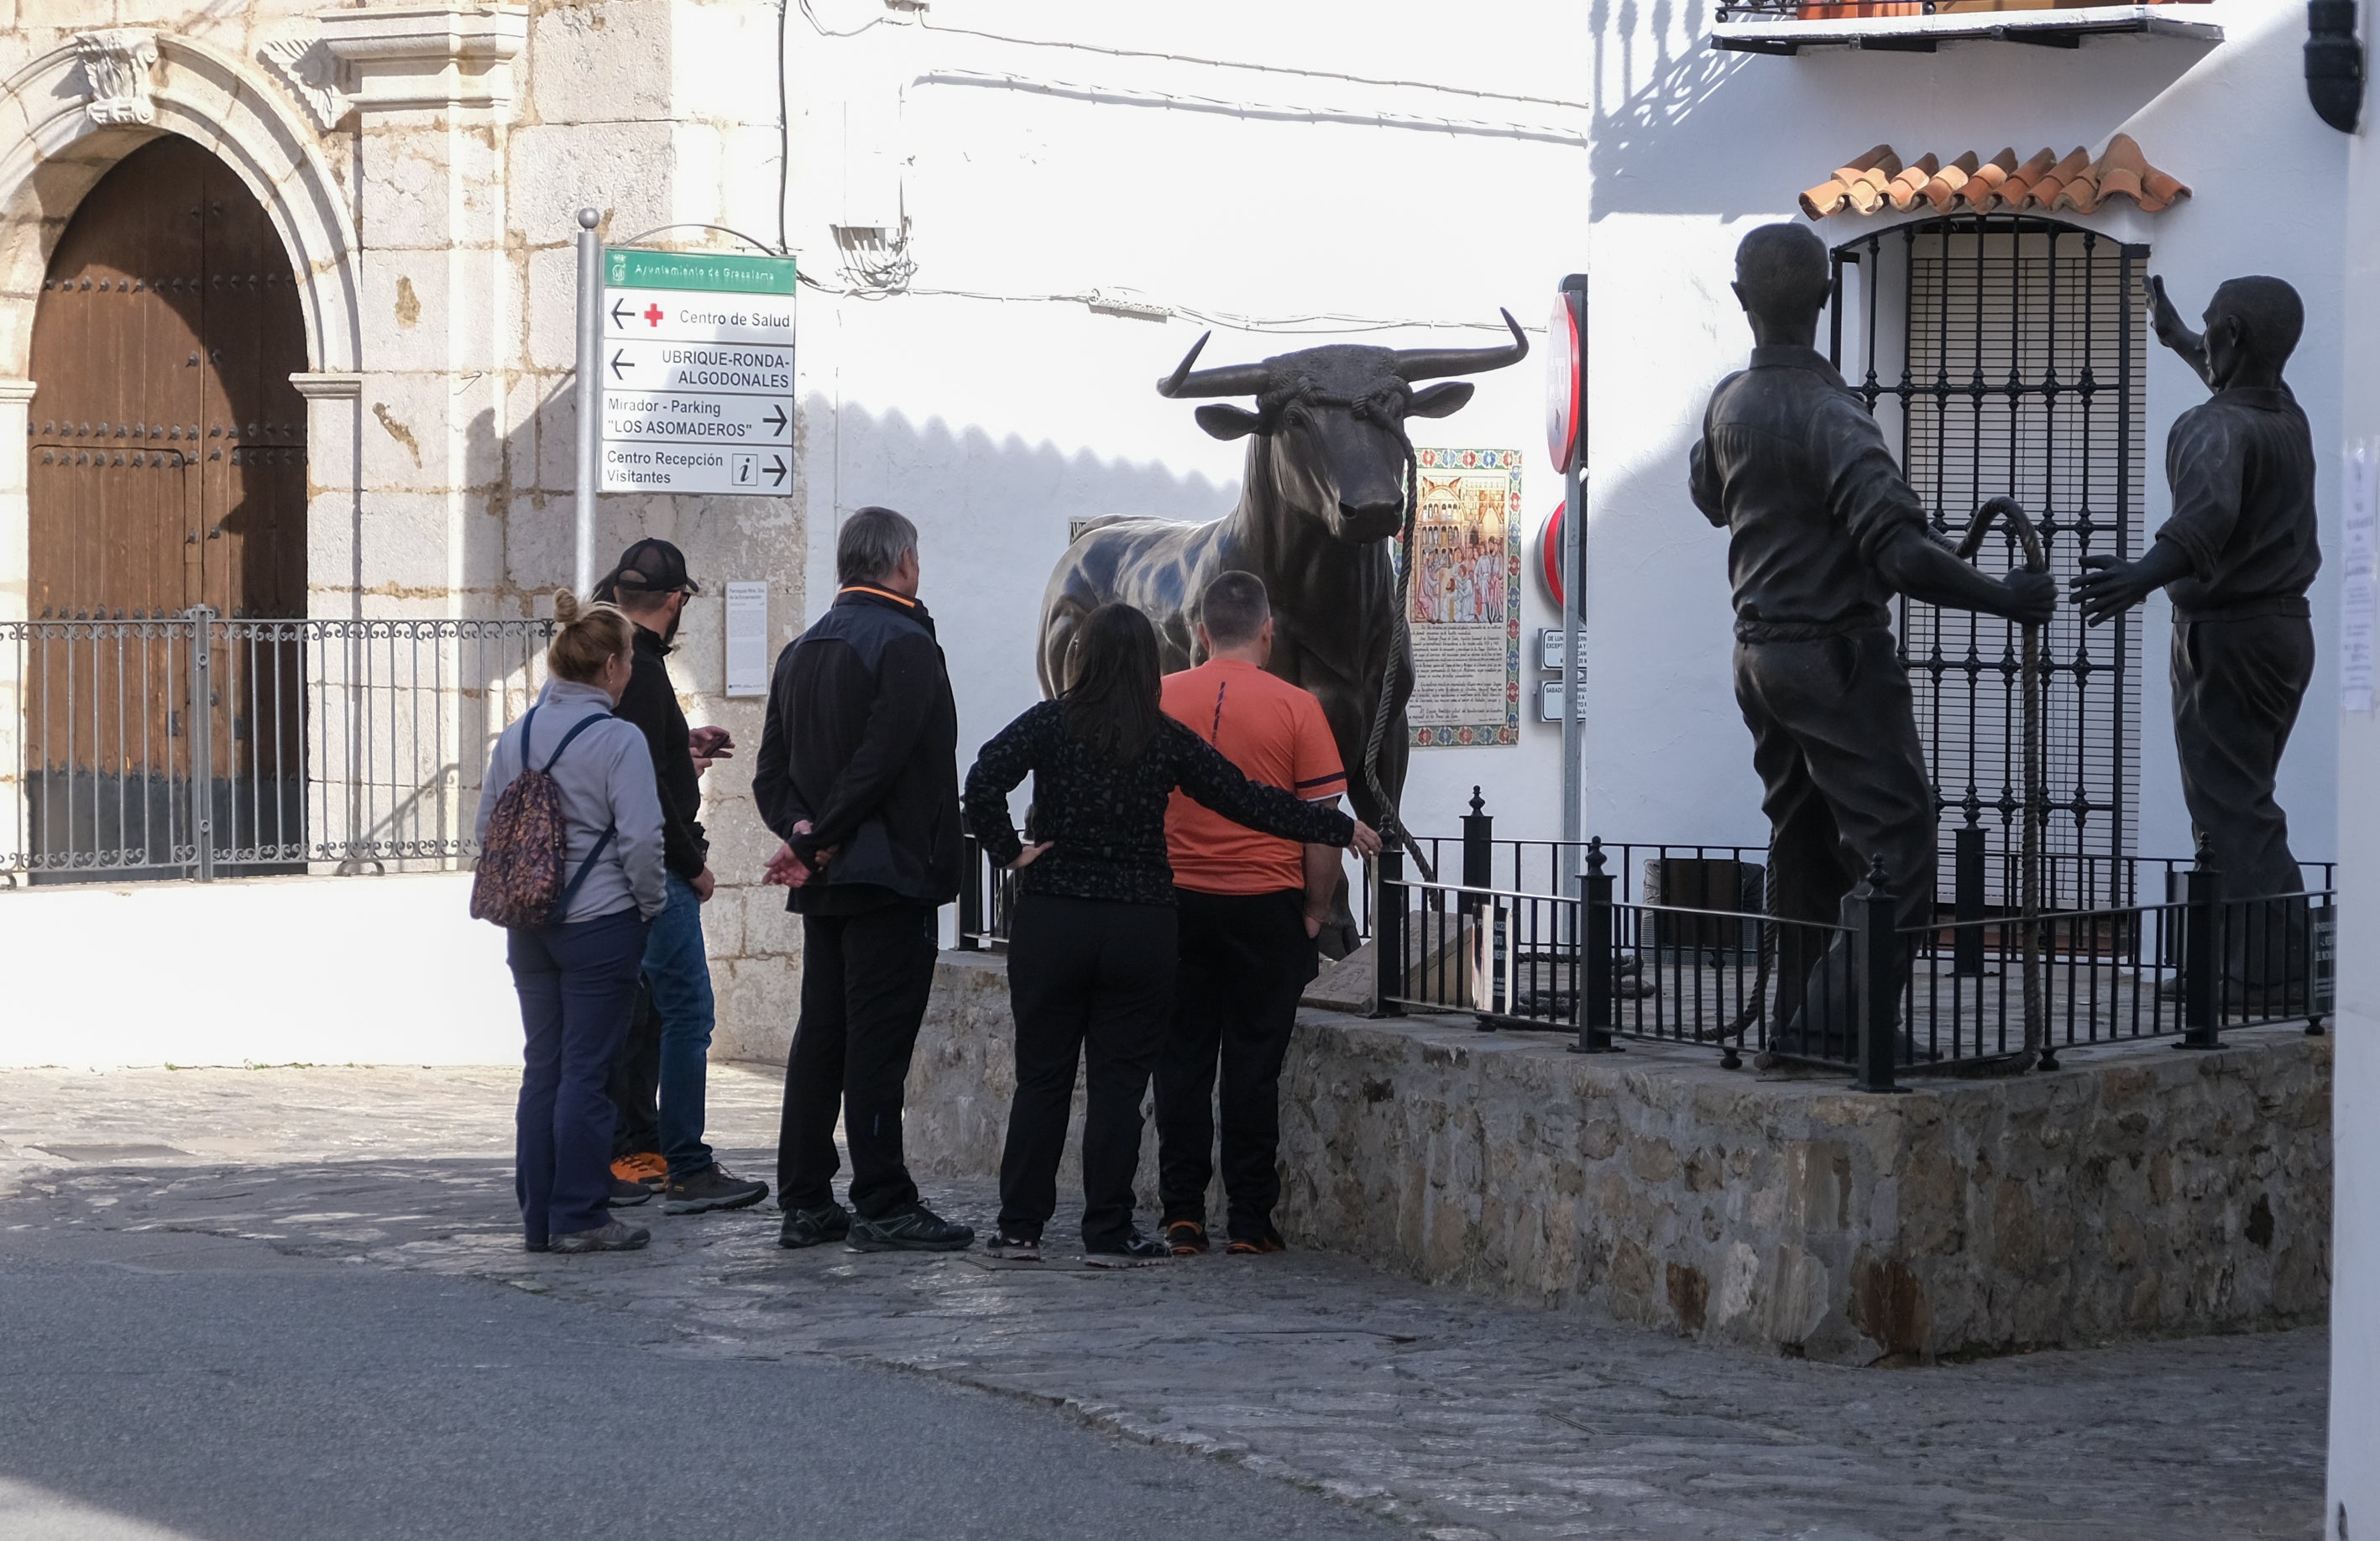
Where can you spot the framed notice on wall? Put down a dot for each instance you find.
(1463, 605)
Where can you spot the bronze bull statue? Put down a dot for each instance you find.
(1328, 487)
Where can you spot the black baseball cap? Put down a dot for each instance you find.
(650, 566)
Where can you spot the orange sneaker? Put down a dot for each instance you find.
(647, 1167)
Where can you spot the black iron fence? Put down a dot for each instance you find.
(1867, 995)
(196, 745)
(1672, 943)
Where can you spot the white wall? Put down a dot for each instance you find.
(1594, 136)
(1277, 190)
(2355, 1107)
(1693, 149)
(261, 971)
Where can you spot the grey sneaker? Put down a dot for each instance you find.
(827, 1222)
(714, 1188)
(610, 1237)
(627, 1195)
(1016, 1249)
(916, 1229)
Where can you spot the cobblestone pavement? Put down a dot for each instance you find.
(1467, 1418)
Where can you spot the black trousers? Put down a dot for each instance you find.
(1246, 959)
(1844, 782)
(634, 1087)
(865, 980)
(2237, 686)
(1089, 983)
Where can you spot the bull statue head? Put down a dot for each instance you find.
(1333, 421)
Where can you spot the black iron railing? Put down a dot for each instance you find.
(1670, 942)
(1880, 1000)
(194, 746)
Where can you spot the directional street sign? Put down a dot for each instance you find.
(698, 373)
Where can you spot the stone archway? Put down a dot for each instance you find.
(70, 116)
(81, 108)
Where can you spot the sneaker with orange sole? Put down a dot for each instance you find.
(647, 1167)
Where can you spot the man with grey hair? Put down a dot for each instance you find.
(859, 776)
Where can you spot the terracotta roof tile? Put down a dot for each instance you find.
(2045, 181)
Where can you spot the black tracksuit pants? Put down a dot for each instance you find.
(1245, 960)
(865, 980)
(1091, 982)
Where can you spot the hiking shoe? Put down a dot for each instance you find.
(1131, 1250)
(1187, 1238)
(1252, 1246)
(1016, 1249)
(714, 1188)
(648, 1167)
(627, 1195)
(915, 1229)
(829, 1222)
(610, 1237)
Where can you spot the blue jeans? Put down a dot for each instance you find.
(577, 984)
(678, 976)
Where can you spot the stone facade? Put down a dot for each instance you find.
(423, 164)
(2135, 1192)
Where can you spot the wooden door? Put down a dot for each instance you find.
(166, 469)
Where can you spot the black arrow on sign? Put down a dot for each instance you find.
(776, 471)
(616, 365)
(775, 420)
(617, 319)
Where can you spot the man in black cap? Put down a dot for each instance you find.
(2237, 558)
(650, 584)
(1822, 531)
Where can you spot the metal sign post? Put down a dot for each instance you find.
(590, 344)
(1573, 559)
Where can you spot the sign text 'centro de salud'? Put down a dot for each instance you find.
(698, 382)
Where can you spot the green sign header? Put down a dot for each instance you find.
(722, 273)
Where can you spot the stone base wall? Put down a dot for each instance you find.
(2135, 1192)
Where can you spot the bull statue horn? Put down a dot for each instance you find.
(1232, 380)
(1436, 363)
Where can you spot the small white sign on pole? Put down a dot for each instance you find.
(2359, 589)
(748, 640)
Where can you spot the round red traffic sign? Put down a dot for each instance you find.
(1549, 554)
(1561, 383)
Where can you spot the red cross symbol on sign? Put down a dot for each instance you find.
(653, 314)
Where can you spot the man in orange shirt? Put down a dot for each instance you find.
(1250, 907)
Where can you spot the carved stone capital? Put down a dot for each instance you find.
(452, 57)
(296, 54)
(116, 65)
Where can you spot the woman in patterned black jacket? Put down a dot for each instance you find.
(1091, 951)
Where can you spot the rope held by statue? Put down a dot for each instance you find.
(2036, 799)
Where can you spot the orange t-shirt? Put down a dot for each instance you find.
(1275, 732)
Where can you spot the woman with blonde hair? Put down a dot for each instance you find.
(577, 972)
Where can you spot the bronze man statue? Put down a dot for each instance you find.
(2237, 558)
(1822, 531)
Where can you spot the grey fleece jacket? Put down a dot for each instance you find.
(604, 778)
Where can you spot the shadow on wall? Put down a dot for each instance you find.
(992, 517)
(1683, 128)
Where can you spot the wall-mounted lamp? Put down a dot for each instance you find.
(2333, 62)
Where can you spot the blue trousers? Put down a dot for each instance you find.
(577, 983)
(678, 976)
